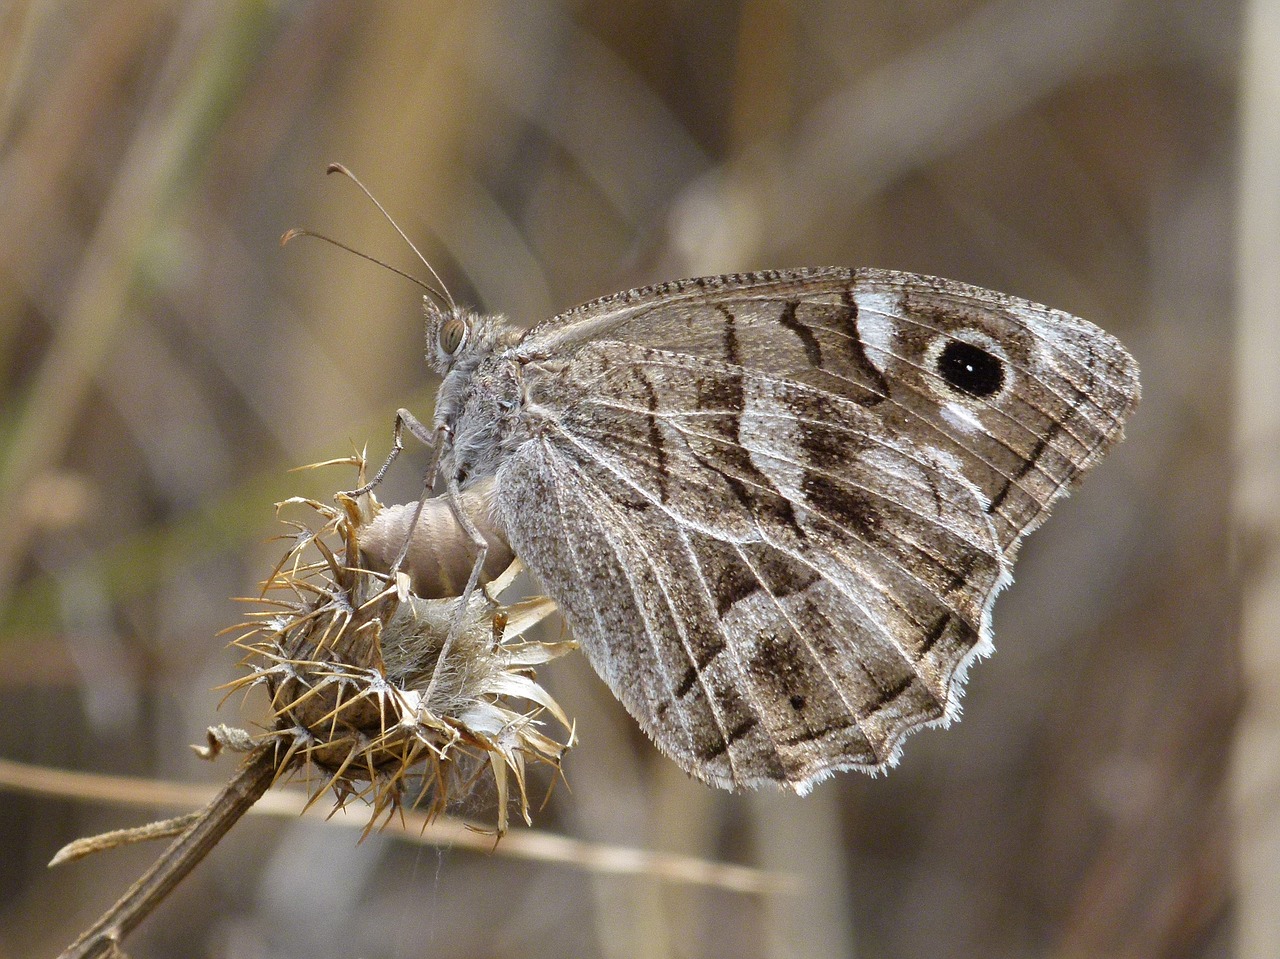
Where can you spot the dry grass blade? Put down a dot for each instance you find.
(446, 831)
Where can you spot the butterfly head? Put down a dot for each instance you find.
(458, 337)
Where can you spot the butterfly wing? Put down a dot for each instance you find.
(774, 525)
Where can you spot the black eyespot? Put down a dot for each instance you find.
(451, 334)
(970, 369)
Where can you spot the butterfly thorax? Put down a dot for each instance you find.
(479, 400)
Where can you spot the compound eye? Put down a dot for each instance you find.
(452, 333)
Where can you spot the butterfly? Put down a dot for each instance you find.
(776, 508)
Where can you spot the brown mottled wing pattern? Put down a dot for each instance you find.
(776, 531)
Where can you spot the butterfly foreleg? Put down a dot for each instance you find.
(433, 439)
(428, 437)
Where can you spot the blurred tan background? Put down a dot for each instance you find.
(163, 362)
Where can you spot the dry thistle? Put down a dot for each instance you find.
(352, 664)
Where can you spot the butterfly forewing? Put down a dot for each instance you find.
(776, 508)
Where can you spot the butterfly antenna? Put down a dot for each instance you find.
(297, 232)
(448, 297)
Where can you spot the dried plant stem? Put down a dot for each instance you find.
(253, 779)
(164, 829)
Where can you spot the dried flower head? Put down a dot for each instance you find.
(352, 662)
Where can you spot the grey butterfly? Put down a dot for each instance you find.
(776, 508)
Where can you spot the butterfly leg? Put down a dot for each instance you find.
(435, 442)
(452, 495)
(428, 437)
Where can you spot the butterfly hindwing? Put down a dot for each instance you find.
(808, 586)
